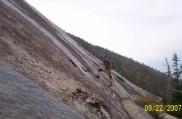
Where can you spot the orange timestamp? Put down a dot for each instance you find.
(162, 108)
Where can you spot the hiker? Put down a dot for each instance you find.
(107, 67)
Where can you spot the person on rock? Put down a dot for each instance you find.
(107, 67)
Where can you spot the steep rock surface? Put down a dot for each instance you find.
(22, 98)
(49, 70)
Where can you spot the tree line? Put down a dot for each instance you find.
(174, 84)
(174, 79)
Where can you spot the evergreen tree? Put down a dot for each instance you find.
(181, 68)
(176, 73)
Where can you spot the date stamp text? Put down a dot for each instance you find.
(162, 108)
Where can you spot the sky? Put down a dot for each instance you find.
(145, 30)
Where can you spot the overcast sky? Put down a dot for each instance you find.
(144, 30)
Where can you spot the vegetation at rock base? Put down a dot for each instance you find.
(147, 101)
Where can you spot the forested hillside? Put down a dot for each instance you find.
(138, 73)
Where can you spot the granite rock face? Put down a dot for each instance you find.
(21, 98)
(44, 74)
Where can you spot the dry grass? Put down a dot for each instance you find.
(149, 100)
